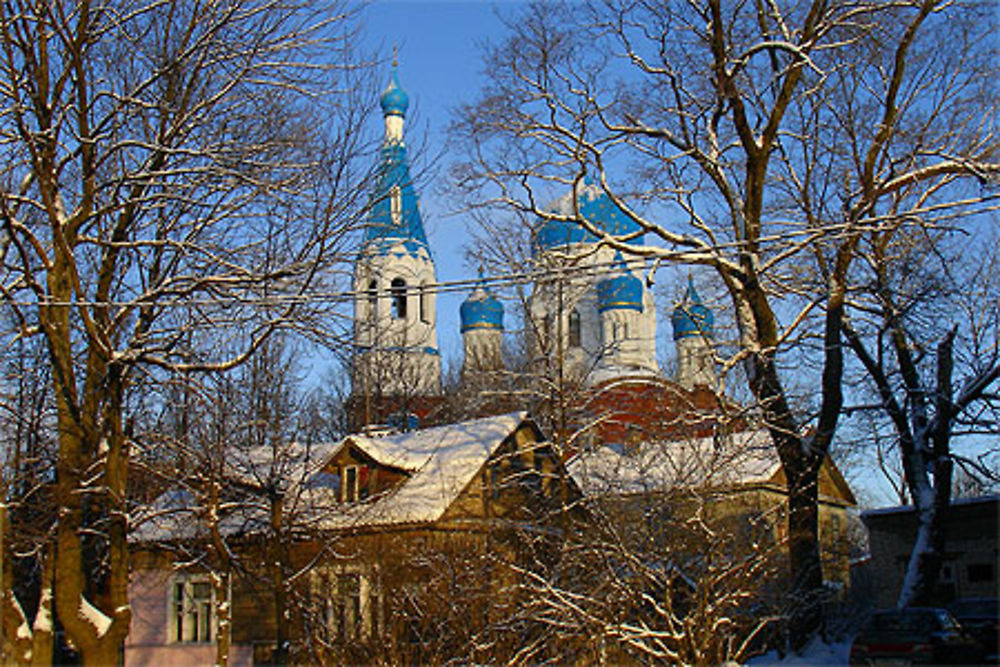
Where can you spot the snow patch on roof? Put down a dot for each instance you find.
(745, 457)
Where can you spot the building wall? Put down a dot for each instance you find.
(972, 549)
(148, 643)
(595, 359)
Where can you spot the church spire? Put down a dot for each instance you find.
(395, 216)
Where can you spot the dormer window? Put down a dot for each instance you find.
(396, 204)
(349, 490)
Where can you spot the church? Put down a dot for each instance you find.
(354, 552)
(590, 311)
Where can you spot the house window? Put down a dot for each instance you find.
(398, 289)
(192, 617)
(350, 605)
(616, 331)
(574, 329)
(980, 572)
(347, 606)
(396, 204)
(349, 485)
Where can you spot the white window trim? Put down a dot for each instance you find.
(189, 580)
(345, 493)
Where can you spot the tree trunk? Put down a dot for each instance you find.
(220, 589)
(806, 596)
(277, 567)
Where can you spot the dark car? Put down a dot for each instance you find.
(980, 617)
(915, 635)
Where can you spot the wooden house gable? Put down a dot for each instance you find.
(521, 476)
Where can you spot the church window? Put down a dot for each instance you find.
(396, 204)
(574, 329)
(193, 612)
(373, 299)
(398, 289)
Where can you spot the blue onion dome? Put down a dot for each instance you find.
(597, 208)
(691, 317)
(394, 100)
(481, 310)
(623, 292)
(558, 233)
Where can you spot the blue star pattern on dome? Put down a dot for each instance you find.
(691, 317)
(595, 207)
(481, 310)
(623, 292)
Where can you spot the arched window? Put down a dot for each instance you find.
(396, 204)
(574, 328)
(398, 290)
(373, 299)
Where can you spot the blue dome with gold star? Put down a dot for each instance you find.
(597, 208)
(691, 317)
(481, 310)
(394, 100)
(623, 292)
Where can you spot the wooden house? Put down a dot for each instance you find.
(391, 546)
(733, 480)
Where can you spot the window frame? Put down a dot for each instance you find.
(364, 612)
(372, 296)
(350, 489)
(185, 618)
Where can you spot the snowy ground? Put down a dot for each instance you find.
(817, 653)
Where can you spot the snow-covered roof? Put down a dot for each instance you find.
(442, 461)
(174, 514)
(746, 457)
(903, 509)
(285, 465)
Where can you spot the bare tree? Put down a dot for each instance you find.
(168, 169)
(765, 140)
(930, 314)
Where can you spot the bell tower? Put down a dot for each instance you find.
(397, 365)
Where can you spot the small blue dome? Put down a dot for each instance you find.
(623, 292)
(394, 100)
(481, 310)
(691, 317)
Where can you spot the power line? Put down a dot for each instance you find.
(346, 296)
